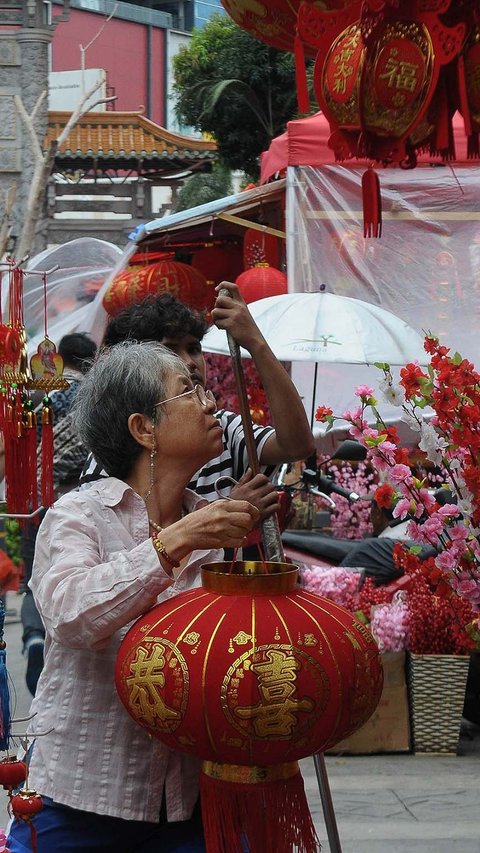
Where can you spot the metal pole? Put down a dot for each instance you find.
(273, 546)
(327, 803)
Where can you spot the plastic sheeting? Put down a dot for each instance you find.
(73, 290)
(425, 268)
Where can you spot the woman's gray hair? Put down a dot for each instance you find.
(129, 377)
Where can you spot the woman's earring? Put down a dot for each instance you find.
(153, 453)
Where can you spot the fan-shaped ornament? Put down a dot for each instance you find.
(250, 673)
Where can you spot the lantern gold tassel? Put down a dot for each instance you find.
(261, 809)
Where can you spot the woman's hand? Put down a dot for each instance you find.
(221, 524)
(258, 491)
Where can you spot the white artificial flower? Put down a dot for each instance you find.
(411, 421)
(432, 443)
(392, 392)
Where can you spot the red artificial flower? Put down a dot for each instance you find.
(322, 413)
(383, 496)
(411, 374)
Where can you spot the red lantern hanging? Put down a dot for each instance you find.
(250, 673)
(181, 280)
(260, 281)
(12, 772)
(25, 805)
(260, 247)
(218, 263)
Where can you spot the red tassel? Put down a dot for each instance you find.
(262, 807)
(48, 495)
(372, 204)
(30, 450)
(301, 77)
(463, 96)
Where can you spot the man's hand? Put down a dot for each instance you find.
(259, 492)
(231, 314)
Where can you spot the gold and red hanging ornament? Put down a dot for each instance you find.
(260, 247)
(250, 673)
(167, 276)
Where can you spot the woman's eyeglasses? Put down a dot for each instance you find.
(203, 397)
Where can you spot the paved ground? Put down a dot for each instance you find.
(383, 804)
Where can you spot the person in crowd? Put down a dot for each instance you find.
(78, 351)
(104, 556)
(173, 324)
(375, 554)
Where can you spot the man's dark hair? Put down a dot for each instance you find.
(77, 350)
(153, 319)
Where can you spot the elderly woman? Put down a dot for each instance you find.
(104, 556)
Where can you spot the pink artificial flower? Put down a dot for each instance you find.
(400, 473)
(402, 508)
(416, 532)
(363, 391)
(459, 532)
(448, 511)
(427, 498)
(433, 526)
(446, 561)
(353, 416)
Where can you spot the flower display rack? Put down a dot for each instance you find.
(436, 686)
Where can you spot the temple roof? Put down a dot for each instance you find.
(126, 140)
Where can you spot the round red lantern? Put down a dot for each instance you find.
(261, 281)
(250, 673)
(218, 263)
(12, 772)
(259, 247)
(25, 805)
(167, 276)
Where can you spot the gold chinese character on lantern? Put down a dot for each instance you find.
(275, 713)
(399, 73)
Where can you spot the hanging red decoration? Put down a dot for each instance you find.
(250, 673)
(260, 247)
(218, 263)
(25, 805)
(12, 772)
(181, 280)
(260, 281)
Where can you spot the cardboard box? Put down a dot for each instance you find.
(388, 729)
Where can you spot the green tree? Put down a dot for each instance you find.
(231, 85)
(205, 187)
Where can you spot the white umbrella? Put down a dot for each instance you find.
(341, 335)
(323, 327)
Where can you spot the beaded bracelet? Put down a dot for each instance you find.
(160, 549)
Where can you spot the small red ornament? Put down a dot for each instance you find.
(25, 805)
(261, 281)
(12, 772)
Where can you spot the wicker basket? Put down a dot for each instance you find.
(436, 686)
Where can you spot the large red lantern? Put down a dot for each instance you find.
(218, 263)
(261, 281)
(181, 280)
(250, 673)
(260, 247)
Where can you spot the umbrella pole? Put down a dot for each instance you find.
(273, 548)
(314, 395)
